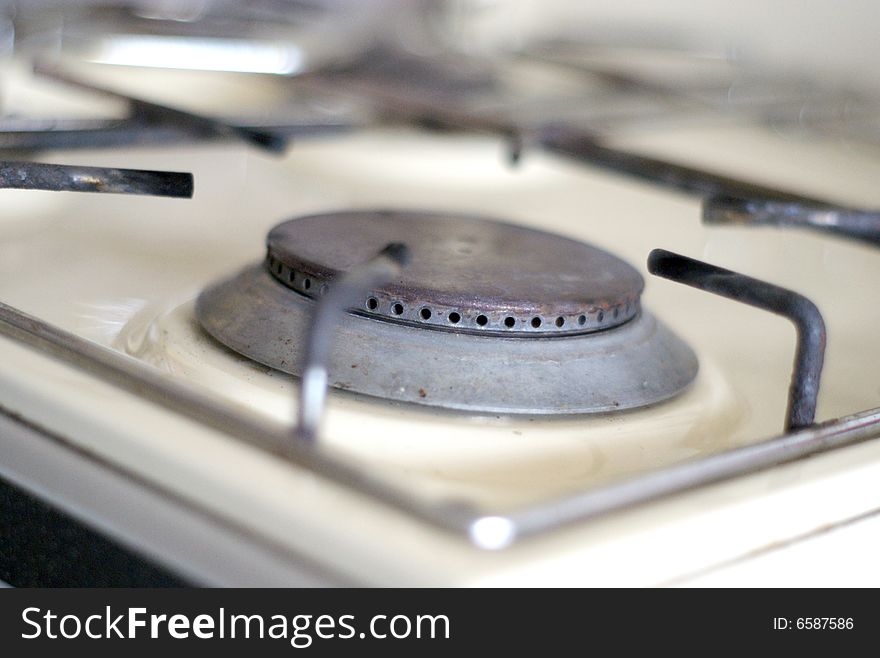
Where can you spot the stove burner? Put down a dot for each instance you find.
(487, 317)
(467, 274)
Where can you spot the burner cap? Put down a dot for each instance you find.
(466, 274)
(487, 317)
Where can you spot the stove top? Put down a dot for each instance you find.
(169, 344)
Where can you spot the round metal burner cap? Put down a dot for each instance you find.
(466, 274)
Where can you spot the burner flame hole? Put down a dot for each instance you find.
(454, 318)
(372, 304)
(509, 322)
(307, 283)
(425, 314)
(397, 308)
(536, 322)
(560, 321)
(582, 320)
(482, 320)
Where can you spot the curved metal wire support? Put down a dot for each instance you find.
(852, 223)
(343, 294)
(810, 351)
(162, 114)
(483, 528)
(74, 178)
(671, 175)
(21, 134)
(593, 503)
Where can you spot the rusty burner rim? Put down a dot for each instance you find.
(468, 274)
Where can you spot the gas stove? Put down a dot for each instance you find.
(423, 321)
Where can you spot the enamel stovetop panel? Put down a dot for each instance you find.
(123, 271)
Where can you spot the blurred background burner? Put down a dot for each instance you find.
(597, 68)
